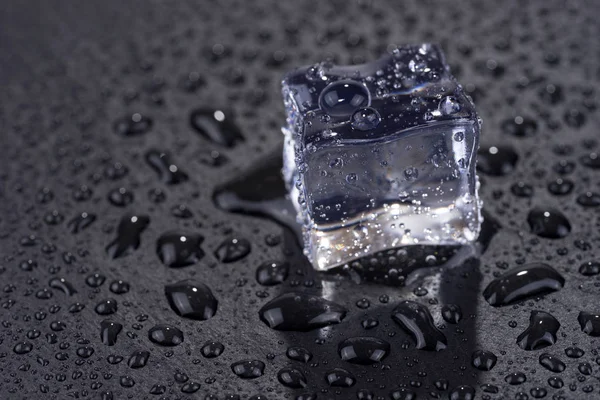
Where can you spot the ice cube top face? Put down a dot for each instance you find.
(381, 155)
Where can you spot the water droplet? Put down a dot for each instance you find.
(548, 223)
(462, 392)
(520, 127)
(23, 347)
(363, 350)
(540, 333)
(85, 352)
(95, 280)
(181, 211)
(216, 126)
(120, 197)
(449, 105)
(523, 282)
(590, 268)
(497, 160)
(133, 125)
(272, 273)
(167, 171)
(191, 299)
(591, 160)
(574, 352)
(551, 363)
(342, 98)
(452, 313)
(416, 320)
(299, 354)
(179, 249)
(128, 235)
(522, 189)
(119, 287)
(560, 187)
(248, 369)
(589, 322)
(81, 222)
(292, 378)
(190, 387)
(365, 119)
(165, 335)
(339, 377)
(63, 285)
(411, 174)
(109, 331)
(232, 250)
(589, 199)
(400, 394)
(138, 359)
(106, 307)
(515, 378)
(212, 349)
(483, 360)
(555, 382)
(300, 312)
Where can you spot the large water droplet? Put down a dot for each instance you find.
(540, 333)
(548, 223)
(523, 282)
(416, 320)
(179, 249)
(301, 312)
(191, 299)
(128, 235)
(363, 350)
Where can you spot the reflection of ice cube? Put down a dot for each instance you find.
(381, 155)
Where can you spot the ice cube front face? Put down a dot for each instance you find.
(381, 155)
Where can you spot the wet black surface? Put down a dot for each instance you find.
(110, 156)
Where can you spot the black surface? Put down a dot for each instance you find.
(69, 71)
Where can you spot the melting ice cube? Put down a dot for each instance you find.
(381, 155)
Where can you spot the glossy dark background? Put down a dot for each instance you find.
(70, 70)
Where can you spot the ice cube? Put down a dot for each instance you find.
(381, 155)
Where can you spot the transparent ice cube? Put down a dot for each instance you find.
(381, 155)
